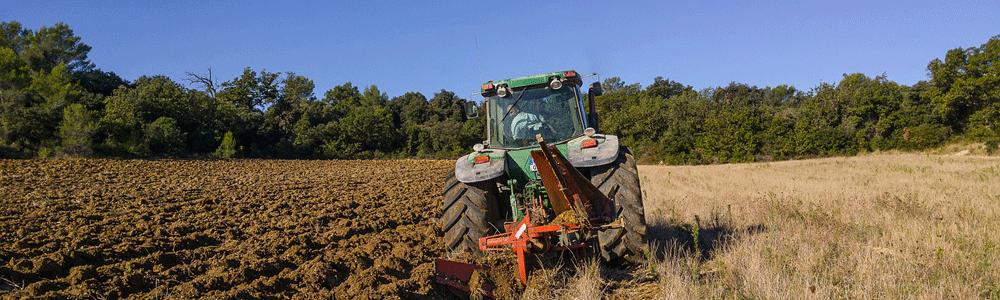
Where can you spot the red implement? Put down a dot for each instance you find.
(569, 192)
(580, 211)
(457, 275)
(523, 239)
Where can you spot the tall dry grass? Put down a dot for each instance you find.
(910, 226)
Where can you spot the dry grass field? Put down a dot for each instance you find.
(899, 226)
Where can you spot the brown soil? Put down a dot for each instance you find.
(498, 270)
(219, 229)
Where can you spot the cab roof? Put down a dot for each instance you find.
(534, 79)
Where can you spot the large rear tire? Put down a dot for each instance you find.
(620, 181)
(469, 211)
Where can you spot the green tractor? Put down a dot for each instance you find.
(543, 160)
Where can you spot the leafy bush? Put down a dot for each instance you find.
(76, 131)
(227, 149)
(927, 135)
(164, 136)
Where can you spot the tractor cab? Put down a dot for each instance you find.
(521, 110)
(548, 104)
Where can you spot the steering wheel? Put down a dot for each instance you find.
(544, 128)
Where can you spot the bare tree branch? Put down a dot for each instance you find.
(205, 81)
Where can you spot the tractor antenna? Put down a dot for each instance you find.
(478, 62)
(478, 55)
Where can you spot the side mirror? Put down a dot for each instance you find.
(595, 89)
(592, 118)
(471, 110)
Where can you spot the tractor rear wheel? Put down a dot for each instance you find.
(469, 211)
(620, 181)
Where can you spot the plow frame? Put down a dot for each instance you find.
(569, 192)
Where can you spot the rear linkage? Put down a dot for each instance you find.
(581, 211)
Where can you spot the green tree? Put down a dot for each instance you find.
(32, 105)
(984, 125)
(242, 102)
(129, 109)
(965, 82)
(100, 82)
(363, 132)
(685, 115)
(343, 97)
(733, 131)
(163, 136)
(57, 45)
(282, 117)
(46, 48)
(252, 90)
(14, 73)
(665, 88)
(14, 76)
(227, 149)
(76, 131)
(411, 108)
(12, 36)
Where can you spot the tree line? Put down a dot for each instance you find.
(55, 102)
(670, 122)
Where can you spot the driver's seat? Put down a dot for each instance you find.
(507, 133)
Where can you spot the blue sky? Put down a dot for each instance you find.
(457, 45)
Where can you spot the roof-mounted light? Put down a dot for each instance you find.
(503, 91)
(568, 74)
(555, 84)
(488, 89)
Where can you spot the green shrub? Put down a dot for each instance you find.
(164, 136)
(76, 131)
(44, 152)
(927, 135)
(227, 149)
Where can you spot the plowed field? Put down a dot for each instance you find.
(219, 229)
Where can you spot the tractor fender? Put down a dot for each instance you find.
(467, 171)
(606, 151)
